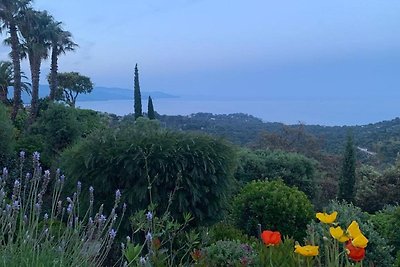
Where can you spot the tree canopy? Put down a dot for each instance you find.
(70, 85)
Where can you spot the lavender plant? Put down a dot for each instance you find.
(41, 228)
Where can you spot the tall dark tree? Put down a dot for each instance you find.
(61, 42)
(348, 175)
(36, 31)
(9, 17)
(137, 95)
(150, 109)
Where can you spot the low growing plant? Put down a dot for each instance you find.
(228, 253)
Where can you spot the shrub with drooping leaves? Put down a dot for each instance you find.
(140, 159)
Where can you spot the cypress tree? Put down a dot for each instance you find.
(137, 96)
(150, 109)
(348, 175)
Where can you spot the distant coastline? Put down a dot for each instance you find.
(101, 93)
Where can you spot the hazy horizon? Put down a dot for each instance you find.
(267, 50)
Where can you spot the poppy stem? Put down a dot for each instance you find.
(270, 256)
(308, 261)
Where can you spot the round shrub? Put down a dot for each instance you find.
(275, 206)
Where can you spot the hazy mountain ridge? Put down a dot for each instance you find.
(100, 93)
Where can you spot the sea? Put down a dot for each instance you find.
(328, 112)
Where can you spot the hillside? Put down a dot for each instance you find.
(382, 138)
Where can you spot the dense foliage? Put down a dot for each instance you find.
(230, 253)
(149, 165)
(275, 206)
(70, 85)
(387, 224)
(7, 141)
(58, 127)
(375, 189)
(380, 139)
(294, 169)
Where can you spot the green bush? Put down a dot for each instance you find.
(375, 190)
(397, 261)
(57, 128)
(294, 169)
(7, 141)
(275, 206)
(139, 160)
(387, 224)
(229, 253)
(366, 189)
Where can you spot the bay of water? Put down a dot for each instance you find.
(289, 111)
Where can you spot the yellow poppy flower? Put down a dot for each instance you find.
(353, 230)
(360, 241)
(338, 233)
(308, 251)
(326, 218)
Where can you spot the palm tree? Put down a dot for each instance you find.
(9, 15)
(36, 31)
(61, 42)
(7, 80)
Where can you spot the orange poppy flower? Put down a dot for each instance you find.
(355, 253)
(271, 238)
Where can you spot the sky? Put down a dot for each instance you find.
(265, 49)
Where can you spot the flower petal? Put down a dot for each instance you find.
(353, 230)
(360, 241)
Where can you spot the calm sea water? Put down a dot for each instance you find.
(323, 112)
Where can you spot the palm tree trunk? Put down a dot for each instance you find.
(53, 72)
(15, 55)
(35, 74)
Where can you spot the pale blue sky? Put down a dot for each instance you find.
(264, 48)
